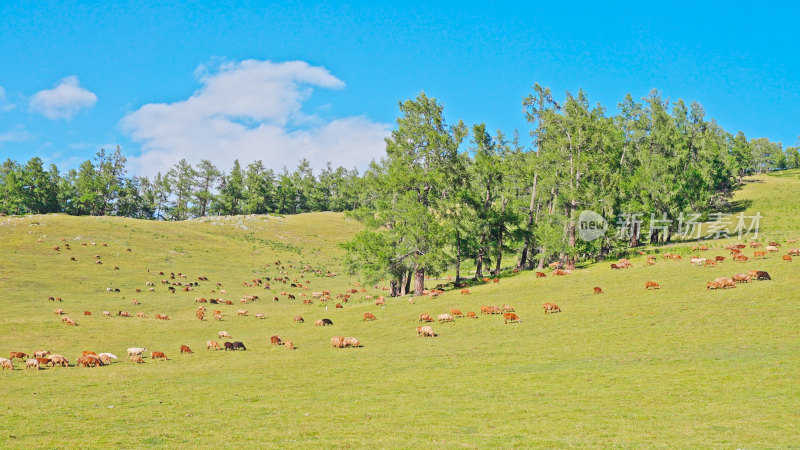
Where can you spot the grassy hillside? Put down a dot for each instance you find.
(677, 367)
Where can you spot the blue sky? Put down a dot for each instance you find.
(281, 81)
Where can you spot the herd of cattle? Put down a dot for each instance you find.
(43, 358)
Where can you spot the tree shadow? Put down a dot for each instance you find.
(735, 206)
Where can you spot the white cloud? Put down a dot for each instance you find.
(4, 103)
(252, 110)
(17, 135)
(64, 100)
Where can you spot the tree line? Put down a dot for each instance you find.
(433, 207)
(101, 186)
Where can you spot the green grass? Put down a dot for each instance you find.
(680, 367)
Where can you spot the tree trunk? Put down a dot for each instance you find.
(458, 257)
(407, 283)
(419, 281)
(395, 289)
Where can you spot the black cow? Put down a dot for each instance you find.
(327, 322)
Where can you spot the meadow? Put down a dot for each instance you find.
(676, 367)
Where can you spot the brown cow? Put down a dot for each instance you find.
(598, 290)
(540, 275)
(18, 355)
(162, 317)
(757, 255)
(298, 319)
(87, 313)
(369, 316)
(456, 313)
(425, 318)
(787, 258)
(137, 359)
(339, 306)
(275, 340)
(794, 251)
(465, 292)
(512, 317)
(719, 258)
(741, 278)
(651, 284)
(761, 275)
(185, 349)
(158, 355)
(559, 272)
(471, 315)
(212, 344)
(551, 308)
(337, 341)
(6, 364)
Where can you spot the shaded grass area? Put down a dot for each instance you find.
(677, 367)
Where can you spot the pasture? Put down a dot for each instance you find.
(679, 366)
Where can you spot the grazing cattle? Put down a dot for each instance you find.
(559, 272)
(697, 261)
(380, 301)
(87, 313)
(43, 360)
(108, 355)
(107, 313)
(123, 313)
(59, 311)
(651, 284)
(289, 345)
(369, 316)
(31, 363)
(351, 342)
(290, 297)
(507, 308)
(551, 308)
(40, 353)
(425, 332)
(425, 318)
(651, 262)
(337, 341)
(200, 315)
(339, 306)
(88, 352)
(104, 360)
(710, 263)
(261, 316)
(772, 249)
(58, 360)
(298, 319)
(212, 344)
(137, 359)
(162, 317)
(757, 255)
(511, 317)
(540, 275)
(741, 278)
(135, 302)
(719, 258)
(787, 258)
(456, 312)
(6, 364)
(69, 321)
(308, 302)
(725, 282)
(237, 345)
(141, 314)
(217, 316)
(495, 280)
(185, 349)
(465, 292)
(471, 315)
(318, 323)
(616, 267)
(755, 244)
(598, 290)
(445, 318)
(136, 351)
(158, 355)
(241, 312)
(794, 251)
(224, 334)
(18, 355)
(761, 275)
(275, 340)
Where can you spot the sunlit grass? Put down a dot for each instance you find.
(679, 367)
